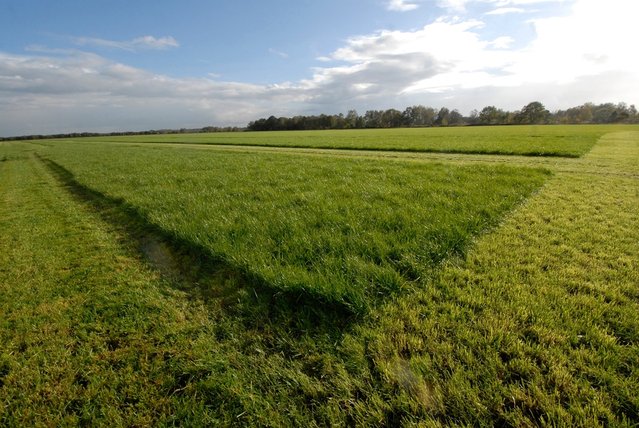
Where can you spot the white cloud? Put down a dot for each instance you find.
(565, 50)
(501, 6)
(506, 10)
(585, 55)
(139, 43)
(503, 3)
(595, 38)
(454, 5)
(84, 91)
(441, 56)
(401, 5)
(502, 42)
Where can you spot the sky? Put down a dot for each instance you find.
(125, 65)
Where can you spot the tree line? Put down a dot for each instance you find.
(414, 116)
(205, 129)
(419, 115)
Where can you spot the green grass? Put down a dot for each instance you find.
(550, 140)
(341, 231)
(88, 333)
(109, 320)
(539, 324)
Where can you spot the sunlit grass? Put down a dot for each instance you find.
(109, 320)
(539, 324)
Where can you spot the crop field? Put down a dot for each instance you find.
(199, 280)
(565, 141)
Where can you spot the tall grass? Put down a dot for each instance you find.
(343, 231)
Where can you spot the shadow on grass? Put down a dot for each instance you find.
(194, 269)
(328, 147)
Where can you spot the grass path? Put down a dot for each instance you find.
(540, 323)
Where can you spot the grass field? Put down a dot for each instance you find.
(341, 230)
(560, 140)
(166, 284)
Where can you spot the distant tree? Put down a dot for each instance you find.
(634, 115)
(352, 119)
(391, 118)
(455, 118)
(580, 114)
(473, 118)
(373, 119)
(622, 113)
(584, 113)
(271, 123)
(443, 117)
(490, 115)
(418, 116)
(533, 113)
(427, 116)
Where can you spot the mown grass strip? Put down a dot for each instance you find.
(343, 232)
(535, 140)
(539, 324)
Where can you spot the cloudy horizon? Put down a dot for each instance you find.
(171, 71)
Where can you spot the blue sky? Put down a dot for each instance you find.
(107, 65)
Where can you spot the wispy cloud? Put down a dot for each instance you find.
(83, 91)
(500, 6)
(504, 3)
(503, 42)
(453, 5)
(139, 43)
(278, 53)
(401, 5)
(506, 10)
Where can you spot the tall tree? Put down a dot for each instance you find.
(352, 119)
(419, 116)
(443, 117)
(490, 115)
(533, 113)
(455, 118)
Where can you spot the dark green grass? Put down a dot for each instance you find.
(340, 230)
(535, 140)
